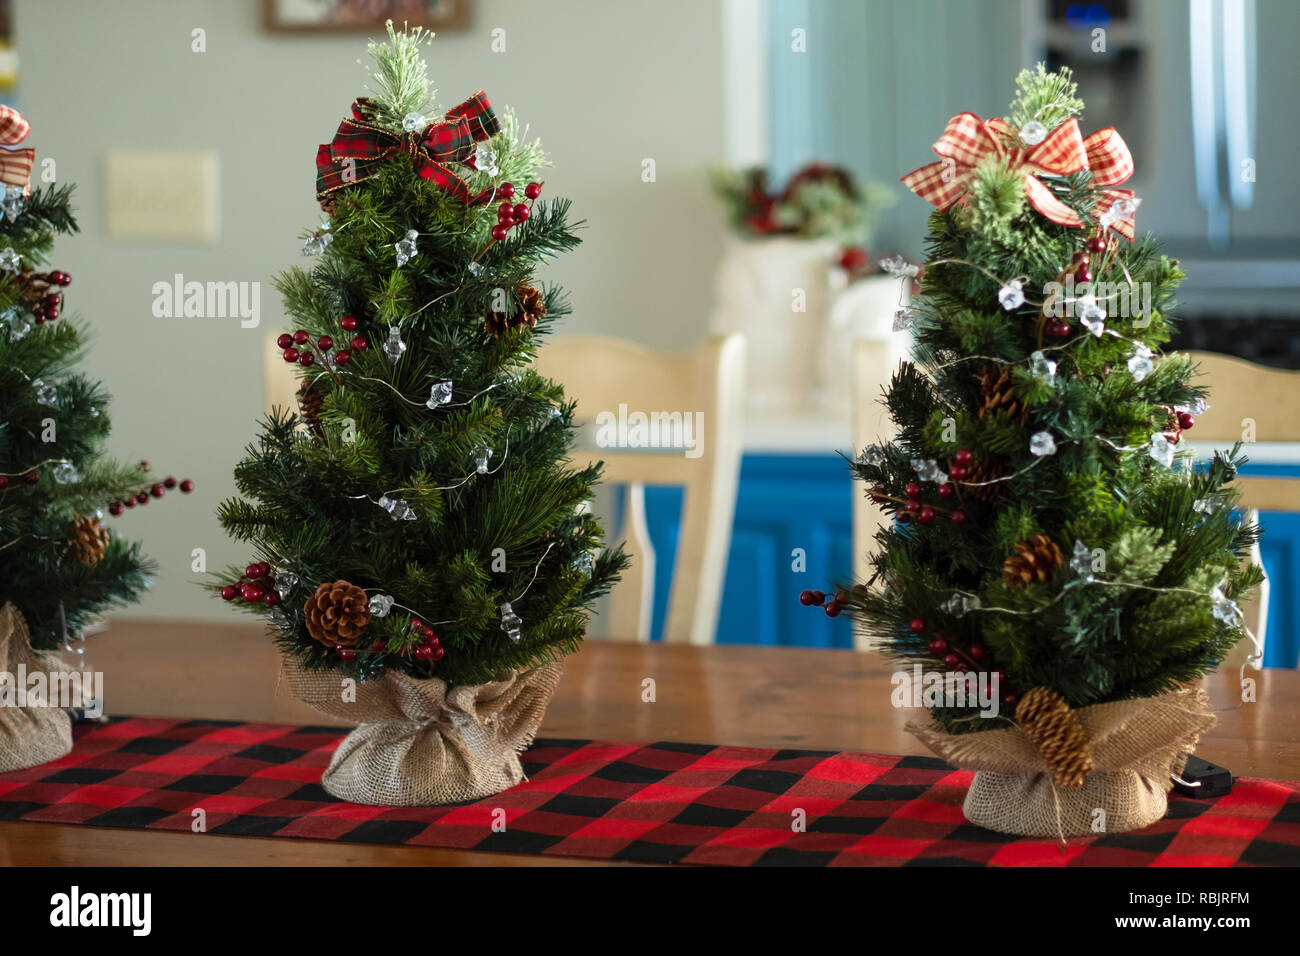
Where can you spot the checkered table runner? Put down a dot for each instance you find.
(662, 802)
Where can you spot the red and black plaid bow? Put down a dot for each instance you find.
(360, 146)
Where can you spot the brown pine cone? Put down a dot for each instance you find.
(999, 394)
(534, 305)
(310, 403)
(978, 473)
(496, 322)
(337, 614)
(1057, 733)
(87, 540)
(1035, 560)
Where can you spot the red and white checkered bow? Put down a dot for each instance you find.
(15, 164)
(967, 139)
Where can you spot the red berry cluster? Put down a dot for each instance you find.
(809, 598)
(1179, 422)
(255, 587)
(31, 476)
(430, 649)
(156, 490)
(914, 510)
(511, 214)
(959, 661)
(292, 350)
(1080, 266)
(38, 291)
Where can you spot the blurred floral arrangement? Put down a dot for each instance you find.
(819, 201)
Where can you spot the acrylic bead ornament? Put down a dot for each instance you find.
(394, 346)
(406, 247)
(481, 458)
(1033, 133)
(511, 623)
(440, 394)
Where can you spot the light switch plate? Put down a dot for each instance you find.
(152, 194)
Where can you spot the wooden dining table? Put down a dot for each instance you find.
(742, 696)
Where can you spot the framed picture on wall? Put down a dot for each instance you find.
(362, 16)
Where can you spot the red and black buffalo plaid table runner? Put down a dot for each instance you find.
(662, 802)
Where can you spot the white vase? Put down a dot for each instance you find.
(800, 316)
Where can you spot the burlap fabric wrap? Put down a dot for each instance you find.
(1135, 746)
(420, 742)
(29, 735)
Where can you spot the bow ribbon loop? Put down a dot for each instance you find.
(15, 164)
(360, 147)
(967, 140)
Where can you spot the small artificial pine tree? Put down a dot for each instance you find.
(1043, 527)
(421, 512)
(58, 564)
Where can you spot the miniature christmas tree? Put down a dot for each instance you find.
(1050, 527)
(418, 514)
(59, 565)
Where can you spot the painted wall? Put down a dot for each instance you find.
(604, 85)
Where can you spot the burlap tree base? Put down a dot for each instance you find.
(29, 735)
(1133, 745)
(420, 742)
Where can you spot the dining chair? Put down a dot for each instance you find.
(1251, 403)
(874, 362)
(612, 380)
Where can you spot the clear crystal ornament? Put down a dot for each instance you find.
(439, 394)
(381, 604)
(285, 582)
(398, 508)
(1033, 133)
(872, 455)
(553, 413)
(1161, 450)
(1081, 561)
(585, 562)
(413, 122)
(927, 469)
(46, 395)
(20, 323)
(961, 604)
(1197, 408)
(394, 346)
(485, 159)
(900, 268)
(1042, 368)
(1012, 295)
(65, 473)
(14, 202)
(1225, 608)
(904, 319)
(481, 458)
(1042, 443)
(475, 269)
(1120, 211)
(331, 360)
(1205, 506)
(278, 618)
(9, 260)
(510, 622)
(1140, 363)
(406, 247)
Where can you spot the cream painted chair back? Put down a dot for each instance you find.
(1249, 401)
(874, 362)
(611, 376)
